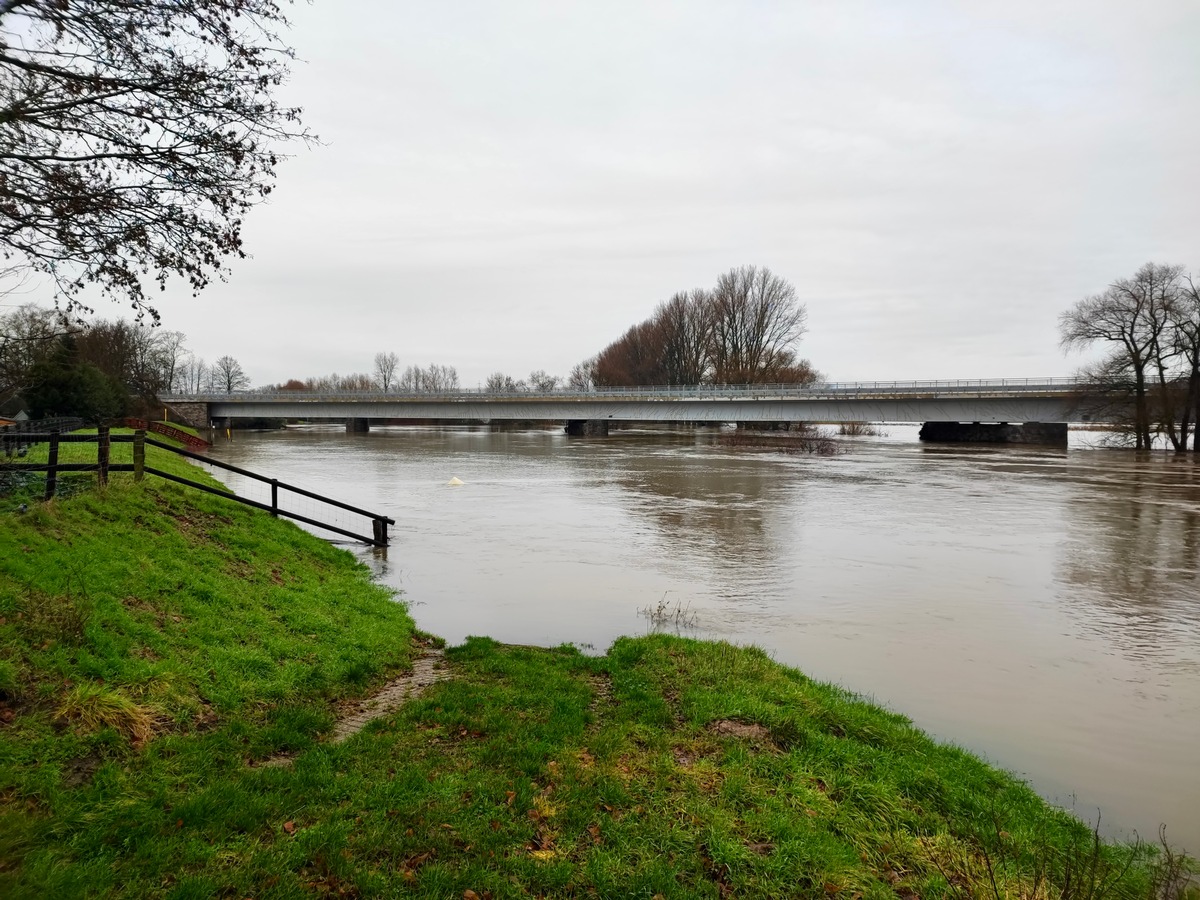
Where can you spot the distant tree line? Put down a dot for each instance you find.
(539, 381)
(744, 330)
(53, 365)
(387, 378)
(1150, 325)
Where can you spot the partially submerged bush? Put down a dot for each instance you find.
(860, 429)
(801, 439)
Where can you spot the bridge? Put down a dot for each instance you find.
(1010, 409)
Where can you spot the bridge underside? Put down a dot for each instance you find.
(914, 409)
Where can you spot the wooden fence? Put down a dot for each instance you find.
(103, 466)
(167, 430)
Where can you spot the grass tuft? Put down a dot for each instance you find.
(54, 617)
(91, 707)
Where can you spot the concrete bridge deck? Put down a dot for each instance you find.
(992, 401)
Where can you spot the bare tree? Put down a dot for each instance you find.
(432, 379)
(192, 375)
(543, 382)
(499, 383)
(685, 326)
(28, 334)
(385, 370)
(359, 382)
(323, 384)
(1134, 315)
(228, 375)
(756, 321)
(1185, 338)
(443, 378)
(635, 358)
(411, 380)
(583, 376)
(742, 332)
(135, 136)
(171, 355)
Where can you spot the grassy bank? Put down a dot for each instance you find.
(156, 643)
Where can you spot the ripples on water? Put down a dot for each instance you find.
(1036, 605)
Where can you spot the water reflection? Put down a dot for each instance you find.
(1130, 562)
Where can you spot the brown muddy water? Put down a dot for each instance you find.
(1040, 607)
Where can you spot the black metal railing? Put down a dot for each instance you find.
(103, 466)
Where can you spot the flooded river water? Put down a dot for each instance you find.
(1038, 606)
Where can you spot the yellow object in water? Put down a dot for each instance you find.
(454, 482)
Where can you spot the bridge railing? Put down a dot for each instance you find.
(825, 389)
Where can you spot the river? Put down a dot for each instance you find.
(1038, 606)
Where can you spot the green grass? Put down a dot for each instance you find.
(153, 640)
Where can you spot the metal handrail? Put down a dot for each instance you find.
(103, 465)
(1058, 385)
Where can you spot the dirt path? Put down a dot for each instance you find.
(428, 668)
(352, 716)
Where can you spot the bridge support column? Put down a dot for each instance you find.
(358, 426)
(1053, 433)
(588, 428)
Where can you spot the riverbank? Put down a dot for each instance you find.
(157, 646)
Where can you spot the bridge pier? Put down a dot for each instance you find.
(1053, 433)
(587, 427)
(358, 426)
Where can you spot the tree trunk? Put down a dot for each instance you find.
(1193, 404)
(1141, 411)
(1189, 404)
(1166, 407)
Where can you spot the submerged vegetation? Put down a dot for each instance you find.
(860, 429)
(799, 437)
(173, 669)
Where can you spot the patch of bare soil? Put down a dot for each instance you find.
(428, 668)
(79, 771)
(353, 716)
(602, 694)
(757, 734)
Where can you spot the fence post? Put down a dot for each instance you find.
(103, 444)
(379, 528)
(52, 466)
(275, 497)
(139, 454)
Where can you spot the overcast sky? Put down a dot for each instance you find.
(509, 186)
